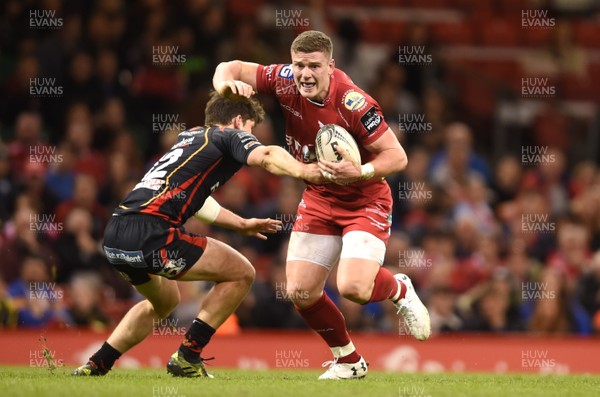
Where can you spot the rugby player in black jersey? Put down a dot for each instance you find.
(146, 242)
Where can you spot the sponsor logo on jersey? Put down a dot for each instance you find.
(250, 144)
(269, 71)
(371, 120)
(119, 257)
(192, 132)
(152, 184)
(292, 110)
(183, 142)
(353, 100)
(286, 72)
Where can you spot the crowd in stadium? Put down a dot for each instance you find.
(494, 242)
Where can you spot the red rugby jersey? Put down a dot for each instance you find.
(345, 105)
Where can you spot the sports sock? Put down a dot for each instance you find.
(386, 287)
(327, 320)
(195, 339)
(105, 358)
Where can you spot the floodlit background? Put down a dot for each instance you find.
(496, 219)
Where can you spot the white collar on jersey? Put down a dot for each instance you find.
(316, 103)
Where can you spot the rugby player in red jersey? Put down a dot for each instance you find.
(145, 239)
(348, 221)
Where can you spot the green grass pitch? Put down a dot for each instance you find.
(39, 382)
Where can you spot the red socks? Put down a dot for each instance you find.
(326, 319)
(386, 287)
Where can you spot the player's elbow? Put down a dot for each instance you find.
(403, 163)
(400, 161)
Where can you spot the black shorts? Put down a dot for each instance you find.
(138, 245)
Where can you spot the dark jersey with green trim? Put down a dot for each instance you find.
(177, 185)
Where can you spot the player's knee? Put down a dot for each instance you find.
(354, 291)
(301, 297)
(247, 273)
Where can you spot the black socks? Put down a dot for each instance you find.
(105, 358)
(195, 339)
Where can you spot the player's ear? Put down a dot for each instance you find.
(237, 122)
(331, 65)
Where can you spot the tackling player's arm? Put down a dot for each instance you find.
(278, 161)
(212, 213)
(236, 75)
(390, 158)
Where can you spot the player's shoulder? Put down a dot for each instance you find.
(356, 106)
(350, 98)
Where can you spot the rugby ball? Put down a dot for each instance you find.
(332, 136)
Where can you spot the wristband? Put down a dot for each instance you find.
(209, 211)
(367, 171)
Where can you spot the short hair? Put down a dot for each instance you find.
(313, 41)
(221, 109)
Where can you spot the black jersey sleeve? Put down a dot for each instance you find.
(237, 143)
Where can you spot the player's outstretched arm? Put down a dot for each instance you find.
(212, 213)
(238, 76)
(278, 161)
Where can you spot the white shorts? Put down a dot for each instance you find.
(326, 250)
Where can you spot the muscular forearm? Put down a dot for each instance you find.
(279, 162)
(229, 220)
(227, 71)
(389, 162)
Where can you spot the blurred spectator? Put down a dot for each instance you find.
(493, 309)
(479, 266)
(7, 189)
(418, 75)
(119, 174)
(442, 311)
(28, 141)
(85, 197)
(549, 178)
(88, 160)
(588, 291)
(573, 255)
(474, 206)
(507, 179)
(17, 99)
(555, 311)
(19, 241)
(35, 298)
(107, 70)
(61, 174)
(76, 248)
(452, 166)
(80, 84)
(85, 299)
